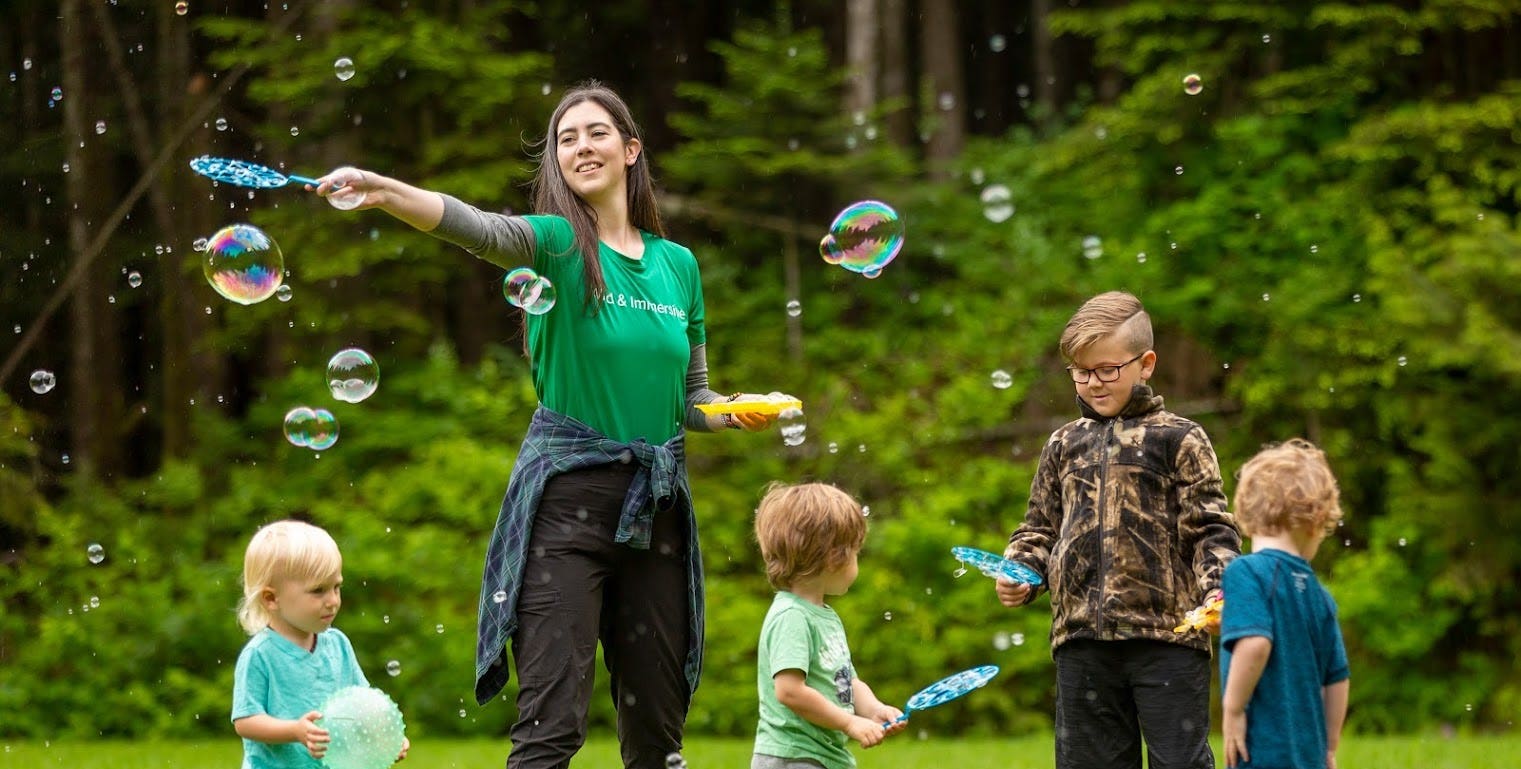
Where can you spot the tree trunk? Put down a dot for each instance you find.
(94, 376)
(861, 56)
(1045, 60)
(189, 372)
(895, 72)
(945, 85)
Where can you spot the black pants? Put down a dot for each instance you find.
(1111, 693)
(578, 587)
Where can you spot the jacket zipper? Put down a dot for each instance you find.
(1098, 610)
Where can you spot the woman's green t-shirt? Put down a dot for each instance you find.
(619, 367)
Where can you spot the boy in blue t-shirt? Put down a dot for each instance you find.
(1283, 665)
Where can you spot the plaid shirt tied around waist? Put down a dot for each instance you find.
(556, 444)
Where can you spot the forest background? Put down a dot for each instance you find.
(1326, 236)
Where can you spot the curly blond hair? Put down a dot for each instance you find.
(1287, 487)
(807, 529)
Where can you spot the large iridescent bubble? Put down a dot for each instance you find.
(243, 264)
(864, 238)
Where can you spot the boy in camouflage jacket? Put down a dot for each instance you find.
(1127, 524)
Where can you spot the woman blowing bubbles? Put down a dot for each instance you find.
(596, 538)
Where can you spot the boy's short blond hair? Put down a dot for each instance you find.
(806, 529)
(279, 552)
(1108, 314)
(1287, 487)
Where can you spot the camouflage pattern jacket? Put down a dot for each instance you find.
(1127, 524)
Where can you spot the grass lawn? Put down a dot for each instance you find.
(711, 753)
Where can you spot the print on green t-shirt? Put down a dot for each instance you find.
(799, 635)
(621, 370)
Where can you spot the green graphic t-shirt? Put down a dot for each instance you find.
(622, 370)
(800, 635)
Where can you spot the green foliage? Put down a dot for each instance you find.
(1336, 259)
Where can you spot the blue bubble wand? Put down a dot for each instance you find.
(242, 173)
(947, 689)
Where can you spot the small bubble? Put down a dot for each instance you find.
(393, 668)
(1018, 639)
(283, 293)
(499, 596)
(100, 127)
(181, 8)
(461, 712)
(834, 448)
(1002, 380)
(1141, 258)
(134, 279)
(1192, 84)
(42, 381)
(794, 308)
(94, 602)
(865, 511)
(1267, 38)
(1357, 297)
(1402, 542)
(1401, 360)
(438, 628)
(95, 553)
(1178, 171)
(887, 615)
(295, 131)
(57, 93)
(1093, 247)
(1314, 249)
(221, 124)
(343, 68)
(997, 43)
(1267, 297)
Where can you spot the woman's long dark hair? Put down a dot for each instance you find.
(551, 194)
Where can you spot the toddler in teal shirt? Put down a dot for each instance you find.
(292, 573)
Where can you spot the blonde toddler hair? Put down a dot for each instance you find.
(1287, 487)
(1108, 314)
(280, 552)
(807, 529)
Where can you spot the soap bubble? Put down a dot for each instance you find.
(243, 264)
(794, 308)
(345, 198)
(1192, 84)
(365, 728)
(526, 289)
(863, 238)
(352, 375)
(393, 668)
(95, 553)
(996, 205)
(794, 427)
(283, 293)
(134, 279)
(1093, 247)
(311, 428)
(181, 8)
(343, 68)
(1002, 380)
(43, 381)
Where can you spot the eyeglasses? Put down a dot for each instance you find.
(1081, 375)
